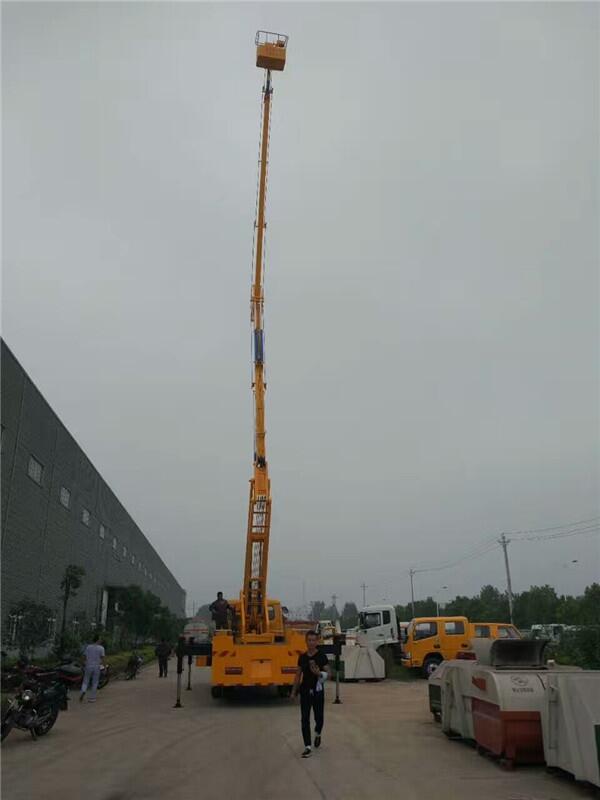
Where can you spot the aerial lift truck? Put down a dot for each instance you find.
(258, 649)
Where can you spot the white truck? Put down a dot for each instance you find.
(379, 628)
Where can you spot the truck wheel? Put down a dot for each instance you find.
(430, 664)
(284, 691)
(216, 692)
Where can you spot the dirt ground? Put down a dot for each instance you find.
(381, 742)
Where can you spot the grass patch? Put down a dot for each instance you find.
(397, 672)
(118, 661)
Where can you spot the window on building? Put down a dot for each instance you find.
(114, 544)
(140, 566)
(454, 627)
(133, 559)
(145, 572)
(102, 531)
(124, 552)
(2, 438)
(65, 497)
(35, 470)
(85, 517)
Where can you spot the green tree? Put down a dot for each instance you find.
(71, 582)
(589, 609)
(30, 623)
(425, 608)
(317, 607)
(537, 605)
(203, 613)
(136, 611)
(349, 618)
(463, 606)
(143, 616)
(569, 610)
(493, 605)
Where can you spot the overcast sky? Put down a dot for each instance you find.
(431, 283)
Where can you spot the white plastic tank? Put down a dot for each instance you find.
(497, 700)
(571, 723)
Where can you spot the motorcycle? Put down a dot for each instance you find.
(70, 674)
(133, 667)
(35, 708)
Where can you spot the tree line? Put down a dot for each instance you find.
(536, 605)
(29, 624)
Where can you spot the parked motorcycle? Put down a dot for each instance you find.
(70, 674)
(35, 708)
(134, 665)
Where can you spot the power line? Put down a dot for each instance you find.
(481, 550)
(492, 543)
(555, 527)
(565, 534)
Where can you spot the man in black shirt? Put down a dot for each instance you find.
(219, 609)
(312, 672)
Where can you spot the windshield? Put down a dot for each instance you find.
(369, 619)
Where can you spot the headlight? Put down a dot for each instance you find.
(27, 696)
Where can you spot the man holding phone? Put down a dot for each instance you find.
(312, 672)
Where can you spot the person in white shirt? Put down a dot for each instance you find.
(94, 658)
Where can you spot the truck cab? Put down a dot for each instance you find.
(430, 640)
(494, 630)
(379, 624)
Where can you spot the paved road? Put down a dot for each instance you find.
(380, 743)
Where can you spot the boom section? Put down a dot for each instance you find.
(254, 597)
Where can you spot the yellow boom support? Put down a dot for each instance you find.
(260, 650)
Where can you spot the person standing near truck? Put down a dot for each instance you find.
(312, 672)
(162, 652)
(219, 608)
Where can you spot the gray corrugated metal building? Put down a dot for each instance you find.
(57, 510)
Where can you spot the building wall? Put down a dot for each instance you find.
(40, 536)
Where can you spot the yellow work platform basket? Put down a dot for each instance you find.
(270, 50)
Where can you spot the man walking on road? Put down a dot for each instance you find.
(312, 672)
(94, 658)
(163, 651)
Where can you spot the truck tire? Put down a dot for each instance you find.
(430, 664)
(216, 692)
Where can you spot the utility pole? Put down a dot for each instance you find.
(411, 572)
(364, 588)
(333, 600)
(505, 542)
